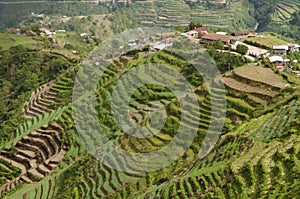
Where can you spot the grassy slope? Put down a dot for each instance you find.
(9, 40)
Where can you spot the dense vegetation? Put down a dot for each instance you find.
(22, 70)
(42, 154)
(277, 13)
(65, 170)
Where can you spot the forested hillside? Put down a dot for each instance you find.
(277, 13)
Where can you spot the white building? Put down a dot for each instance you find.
(221, 33)
(192, 33)
(282, 49)
(294, 47)
(275, 59)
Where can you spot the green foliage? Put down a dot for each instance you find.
(263, 11)
(226, 60)
(194, 24)
(295, 18)
(23, 11)
(236, 167)
(123, 19)
(33, 124)
(22, 71)
(242, 49)
(218, 44)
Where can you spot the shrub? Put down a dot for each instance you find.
(242, 49)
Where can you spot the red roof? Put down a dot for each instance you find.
(243, 32)
(201, 29)
(15, 31)
(214, 36)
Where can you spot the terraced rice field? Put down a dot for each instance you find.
(102, 179)
(268, 40)
(276, 125)
(40, 101)
(250, 87)
(261, 75)
(262, 83)
(37, 147)
(46, 155)
(285, 9)
(239, 166)
(175, 13)
(236, 85)
(213, 17)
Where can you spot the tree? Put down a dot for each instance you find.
(194, 24)
(179, 29)
(242, 49)
(218, 44)
(35, 28)
(295, 18)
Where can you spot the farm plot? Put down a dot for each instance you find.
(207, 176)
(278, 123)
(267, 40)
(229, 175)
(104, 180)
(285, 9)
(236, 85)
(40, 101)
(145, 12)
(36, 154)
(9, 40)
(173, 13)
(261, 75)
(213, 17)
(37, 147)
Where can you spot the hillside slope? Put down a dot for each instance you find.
(257, 152)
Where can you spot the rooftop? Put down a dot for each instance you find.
(243, 32)
(275, 58)
(281, 47)
(214, 36)
(200, 29)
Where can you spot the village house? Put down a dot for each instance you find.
(293, 47)
(192, 33)
(252, 34)
(163, 44)
(46, 31)
(131, 43)
(242, 34)
(276, 60)
(201, 31)
(282, 49)
(15, 31)
(144, 38)
(212, 37)
(84, 35)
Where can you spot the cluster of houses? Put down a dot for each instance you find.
(281, 51)
(277, 57)
(44, 31)
(207, 38)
